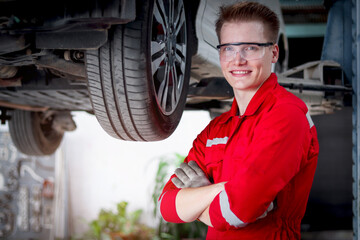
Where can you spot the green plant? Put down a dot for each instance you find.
(168, 230)
(119, 225)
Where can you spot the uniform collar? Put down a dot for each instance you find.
(256, 100)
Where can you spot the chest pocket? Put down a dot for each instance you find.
(214, 156)
(240, 147)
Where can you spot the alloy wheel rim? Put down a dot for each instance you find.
(168, 52)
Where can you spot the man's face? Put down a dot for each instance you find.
(247, 75)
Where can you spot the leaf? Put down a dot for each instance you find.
(164, 235)
(134, 216)
(121, 208)
(96, 228)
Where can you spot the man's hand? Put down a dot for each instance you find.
(189, 176)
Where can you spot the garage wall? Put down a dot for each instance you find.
(103, 171)
(330, 201)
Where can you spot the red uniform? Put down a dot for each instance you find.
(268, 155)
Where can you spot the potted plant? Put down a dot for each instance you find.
(119, 225)
(166, 230)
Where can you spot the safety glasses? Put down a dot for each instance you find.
(247, 50)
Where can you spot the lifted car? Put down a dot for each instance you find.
(127, 62)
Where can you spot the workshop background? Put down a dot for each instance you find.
(92, 171)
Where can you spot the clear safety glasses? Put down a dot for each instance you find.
(247, 50)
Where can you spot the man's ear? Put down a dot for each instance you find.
(275, 52)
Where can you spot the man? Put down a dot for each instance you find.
(250, 171)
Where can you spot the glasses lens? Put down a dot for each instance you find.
(252, 52)
(227, 53)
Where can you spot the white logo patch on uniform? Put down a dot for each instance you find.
(216, 141)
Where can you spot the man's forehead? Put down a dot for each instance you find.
(238, 24)
(254, 27)
(250, 28)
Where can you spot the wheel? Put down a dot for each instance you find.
(138, 81)
(33, 135)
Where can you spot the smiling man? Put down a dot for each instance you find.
(250, 171)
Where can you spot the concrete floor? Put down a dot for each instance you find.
(327, 235)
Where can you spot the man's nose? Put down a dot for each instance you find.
(239, 59)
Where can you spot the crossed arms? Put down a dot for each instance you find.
(197, 193)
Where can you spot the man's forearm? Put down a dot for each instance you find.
(192, 202)
(205, 217)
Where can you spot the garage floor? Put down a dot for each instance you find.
(328, 235)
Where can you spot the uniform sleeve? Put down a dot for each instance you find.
(167, 198)
(272, 159)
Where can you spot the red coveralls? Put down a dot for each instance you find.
(267, 155)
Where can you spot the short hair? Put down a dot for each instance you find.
(249, 11)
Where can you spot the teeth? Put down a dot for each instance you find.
(240, 72)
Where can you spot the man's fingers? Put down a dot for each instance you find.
(196, 168)
(190, 175)
(179, 172)
(188, 170)
(177, 182)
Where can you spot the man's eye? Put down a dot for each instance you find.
(228, 49)
(251, 48)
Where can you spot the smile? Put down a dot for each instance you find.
(240, 72)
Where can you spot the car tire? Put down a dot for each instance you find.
(33, 136)
(138, 80)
